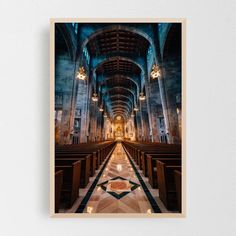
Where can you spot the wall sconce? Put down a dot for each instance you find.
(135, 109)
(95, 97)
(142, 97)
(155, 73)
(101, 109)
(81, 74)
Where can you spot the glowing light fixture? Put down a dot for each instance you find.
(155, 73)
(119, 167)
(135, 109)
(89, 209)
(132, 114)
(142, 97)
(81, 74)
(105, 115)
(100, 109)
(149, 211)
(95, 97)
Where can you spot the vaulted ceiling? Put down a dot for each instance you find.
(119, 85)
(118, 41)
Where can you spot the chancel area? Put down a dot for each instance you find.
(118, 118)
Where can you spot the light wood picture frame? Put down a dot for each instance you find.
(54, 112)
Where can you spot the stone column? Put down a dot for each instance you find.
(64, 84)
(93, 122)
(99, 126)
(165, 108)
(88, 111)
(133, 138)
(139, 126)
(103, 128)
(142, 126)
(173, 118)
(148, 94)
(163, 98)
(154, 124)
(158, 60)
(65, 122)
(75, 87)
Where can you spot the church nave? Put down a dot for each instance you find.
(118, 118)
(118, 190)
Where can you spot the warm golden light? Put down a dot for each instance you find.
(118, 186)
(142, 97)
(89, 209)
(81, 74)
(95, 97)
(119, 167)
(100, 109)
(149, 211)
(155, 73)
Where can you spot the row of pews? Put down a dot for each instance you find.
(162, 164)
(74, 164)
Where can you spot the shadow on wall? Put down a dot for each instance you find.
(43, 139)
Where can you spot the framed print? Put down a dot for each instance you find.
(117, 118)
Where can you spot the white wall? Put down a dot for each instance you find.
(211, 128)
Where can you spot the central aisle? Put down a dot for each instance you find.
(118, 189)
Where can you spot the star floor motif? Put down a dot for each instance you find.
(118, 187)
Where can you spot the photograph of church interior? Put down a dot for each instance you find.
(118, 118)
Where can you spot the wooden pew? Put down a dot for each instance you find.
(178, 186)
(146, 155)
(78, 162)
(71, 181)
(168, 149)
(93, 159)
(140, 150)
(63, 159)
(151, 165)
(99, 152)
(58, 186)
(166, 183)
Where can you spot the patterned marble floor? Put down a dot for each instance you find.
(118, 189)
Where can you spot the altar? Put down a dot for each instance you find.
(119, 133)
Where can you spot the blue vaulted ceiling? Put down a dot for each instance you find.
(119, 72)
